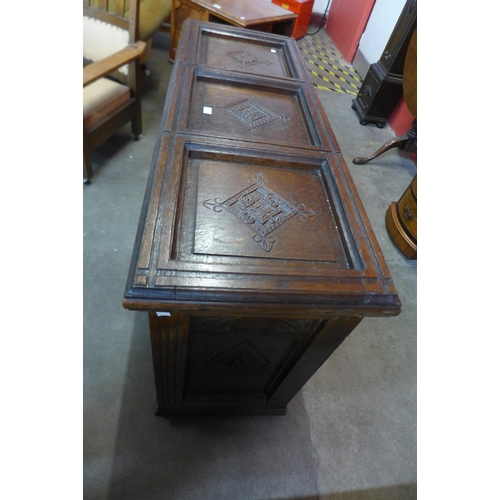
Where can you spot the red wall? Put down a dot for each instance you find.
(401, 121)
(346, 23)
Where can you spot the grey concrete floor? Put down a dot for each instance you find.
(350, 433)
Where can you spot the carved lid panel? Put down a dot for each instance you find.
(252, 52)
(267, 60)
(224, 105)
(263, 211)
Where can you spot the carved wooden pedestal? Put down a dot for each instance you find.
(254, 257)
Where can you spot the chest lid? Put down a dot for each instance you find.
(249, 206)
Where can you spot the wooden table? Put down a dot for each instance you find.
(257, 15)
(254, 257)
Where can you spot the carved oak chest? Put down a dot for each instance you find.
(254, 257)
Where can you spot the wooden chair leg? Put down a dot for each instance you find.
(135, 84)
(137, 121)
(88, 173)
(136, 128)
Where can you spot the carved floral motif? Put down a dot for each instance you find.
(246, 59)
(251, 113)
(261, 210)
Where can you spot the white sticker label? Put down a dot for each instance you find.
(159, 313)
(273, 51)
(207, 110)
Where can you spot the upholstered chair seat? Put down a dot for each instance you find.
(101, 99)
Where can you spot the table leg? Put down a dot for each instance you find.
(407, 142)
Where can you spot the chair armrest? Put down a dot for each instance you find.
(106, 66)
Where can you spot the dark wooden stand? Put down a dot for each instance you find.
(254, 257)
(382, 87)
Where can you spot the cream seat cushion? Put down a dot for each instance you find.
(101, 98)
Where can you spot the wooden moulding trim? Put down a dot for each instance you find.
(382, 268)
(170, 114)
(222, 411)
(374, 305)
(136, 255)
(261, 310)
(152, 199)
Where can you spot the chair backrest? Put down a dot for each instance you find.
(124, 13)
(109, 26)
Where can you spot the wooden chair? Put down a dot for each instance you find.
(111, 78)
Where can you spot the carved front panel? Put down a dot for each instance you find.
(242, 356)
